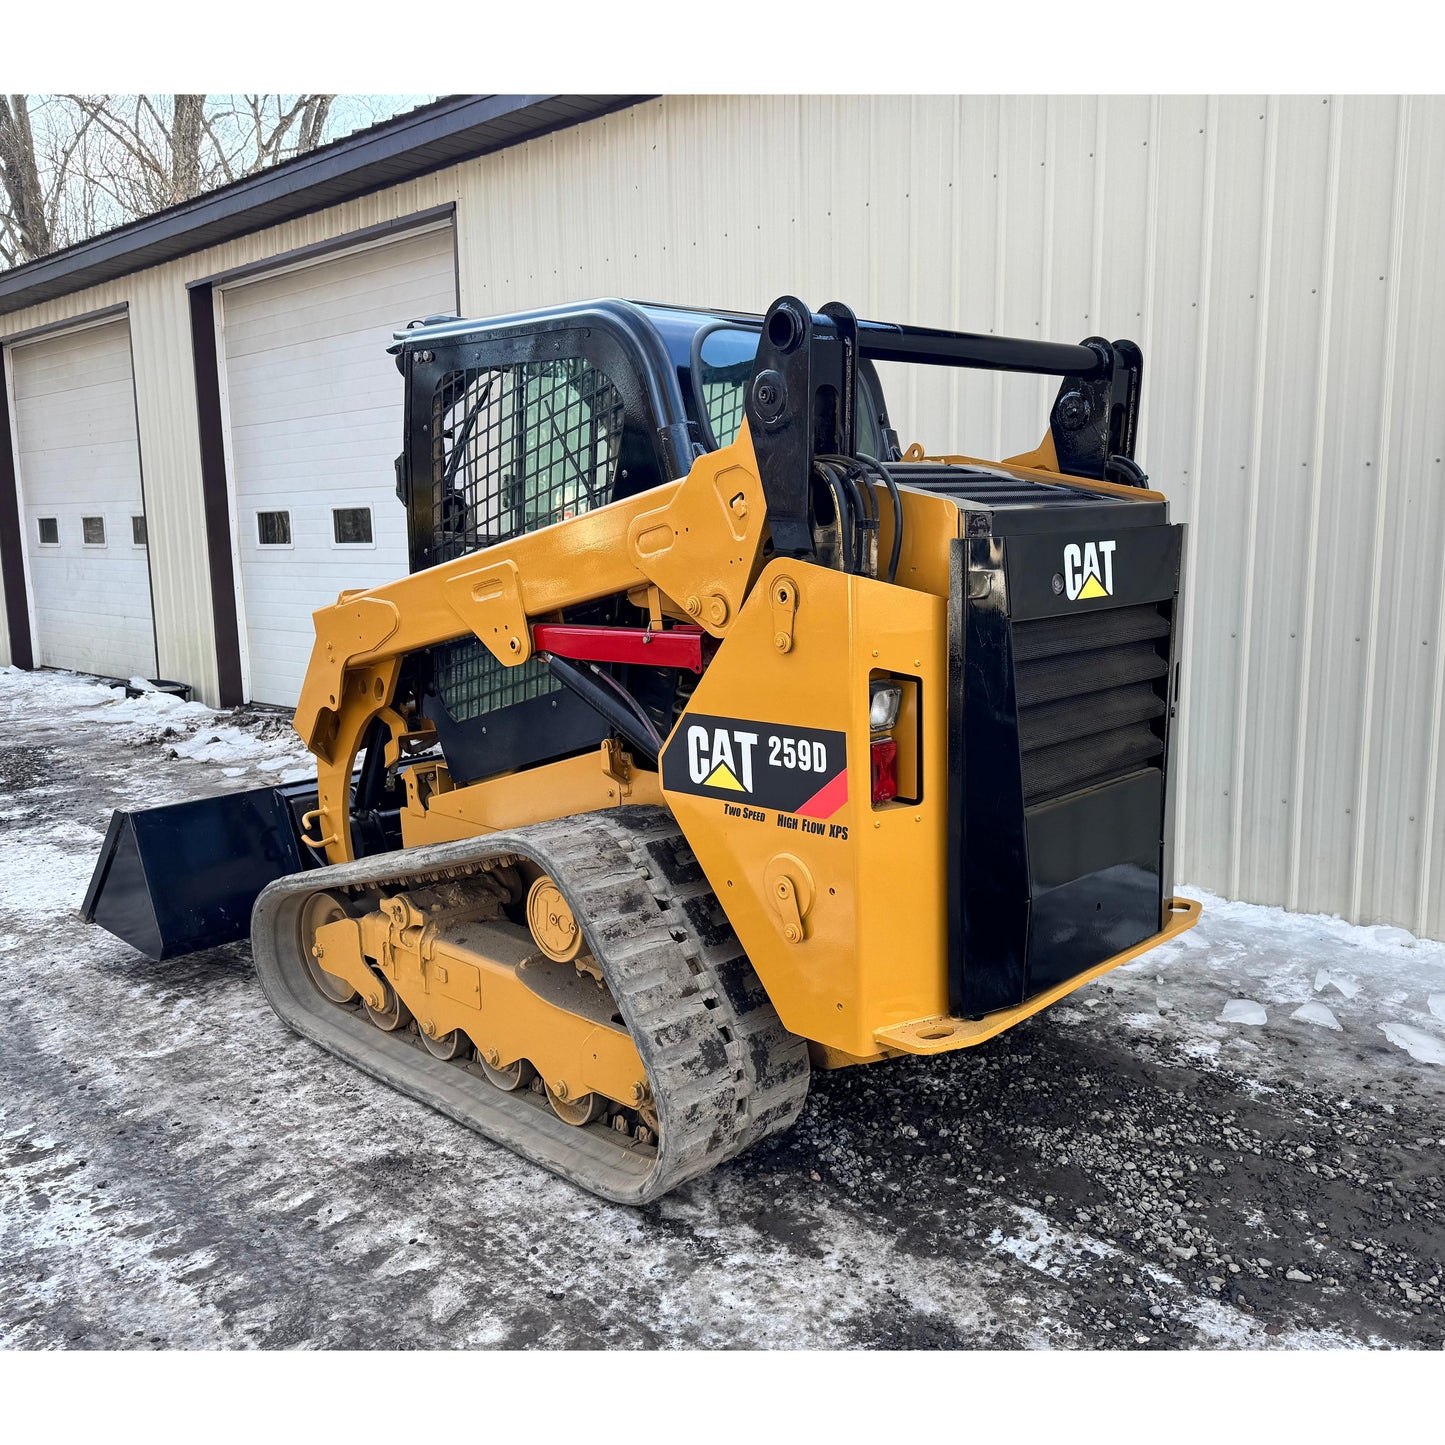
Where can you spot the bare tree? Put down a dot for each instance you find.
(187, 119)
(73, 165)
(25, 231)
(161, 150)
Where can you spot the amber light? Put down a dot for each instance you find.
(884, 755)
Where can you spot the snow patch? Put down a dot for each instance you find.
(235, 746)
(1043, 1247)
(1243, 1011)
(1317, 1013)
(1384, 934)
(151, 707)
(1416, 1042)
(1437, 1005)
(41, 879)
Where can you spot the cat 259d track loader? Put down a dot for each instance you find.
(709, 740)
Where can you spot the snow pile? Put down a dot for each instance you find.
(236, 742)
(232, 745)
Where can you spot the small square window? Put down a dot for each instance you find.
(49, 531)
(351, 526)
(273, 529)
(138, 531)
(92, 531)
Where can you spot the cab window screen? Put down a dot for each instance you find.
(516, 448)
(520, 447)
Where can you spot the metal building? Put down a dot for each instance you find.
(1277, 259)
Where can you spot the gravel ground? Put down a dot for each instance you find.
(1128, 1170)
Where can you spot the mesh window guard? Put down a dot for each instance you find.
(520, 447)
(516, 448)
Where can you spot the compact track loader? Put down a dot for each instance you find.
(711, 738)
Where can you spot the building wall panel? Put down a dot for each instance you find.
(1337, 600)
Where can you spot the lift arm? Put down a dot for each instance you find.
(697, 541)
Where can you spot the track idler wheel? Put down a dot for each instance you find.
(552, 922)
(321, 909)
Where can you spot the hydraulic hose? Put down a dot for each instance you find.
(866, 490)
(1130, 468)
(623, 710)
(847, 528)
(892, 486)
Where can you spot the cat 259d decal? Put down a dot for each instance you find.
(768, 765)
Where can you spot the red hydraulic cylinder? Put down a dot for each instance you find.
(675, 647)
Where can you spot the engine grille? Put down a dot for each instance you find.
(1087, 694)
(474, 683)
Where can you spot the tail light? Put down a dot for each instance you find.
(884, 757)
(884, 699)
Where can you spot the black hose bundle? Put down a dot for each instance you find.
(852, 473)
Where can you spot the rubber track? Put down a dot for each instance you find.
(724, 1071)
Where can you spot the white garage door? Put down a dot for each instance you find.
(85, 533)
(315, 423)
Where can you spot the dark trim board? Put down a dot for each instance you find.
(12, 550)
(318, 250)
(83, 322)
(215, 497)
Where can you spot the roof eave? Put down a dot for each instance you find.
(423, 141)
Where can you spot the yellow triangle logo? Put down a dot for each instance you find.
(1092, 588)
(721, 777)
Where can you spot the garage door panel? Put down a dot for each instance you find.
(342, 290)
(59, 424)
(344, 304)
(344, 296)
(94, 356)
(301, 427)
(78, 457)
(104, 471)
(315, 422)
(290, 336)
